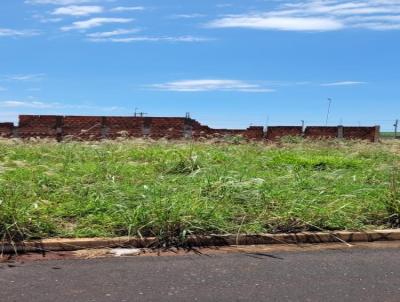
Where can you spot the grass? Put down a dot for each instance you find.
(173, 189)
(387, 135)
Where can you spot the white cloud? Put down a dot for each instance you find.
(223, 5)
(127, 8)
(75, 10)
(25, 77)
(344, 83)
(7, 32)
(278, 23)
(150, 39)
(210, 85)
(45, 105)
(24, 104)
(50, 20)
(94, 22)
(58, 2)
(107, 34)
(187, 16)
(319, 15)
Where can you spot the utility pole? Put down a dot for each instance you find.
(329, 111)
(135, 115)
(396, 126)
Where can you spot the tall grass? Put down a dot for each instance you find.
(173, 189)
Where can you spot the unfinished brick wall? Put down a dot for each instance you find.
(6, 129)
(276, 132)
(83, 127)
(317, 132)
(123, 126)
(363, 133)
(101, 127)
(42, 126)
(170, 128)
(254, 133)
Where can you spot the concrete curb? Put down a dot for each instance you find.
(62, 244)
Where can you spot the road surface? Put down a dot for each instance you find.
(362, 274)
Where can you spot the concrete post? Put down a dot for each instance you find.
(340, 134)
(377, 134)
(14, 132)
(59, 129)
(104, 128)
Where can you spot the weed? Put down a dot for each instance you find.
(173, 189)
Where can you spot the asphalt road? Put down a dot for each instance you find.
(330, 275)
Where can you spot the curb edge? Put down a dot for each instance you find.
(64, 244)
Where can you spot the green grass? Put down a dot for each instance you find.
(171, 190)
(387, 134)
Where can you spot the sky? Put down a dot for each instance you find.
(229, 63)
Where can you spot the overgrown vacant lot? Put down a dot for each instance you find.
(170, 190)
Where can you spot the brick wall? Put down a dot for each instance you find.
(276, 132)
(317, 132)
(6, 129)
(123, 126)
(170, 128)
(99, 127)
(364, 133)
(43, 126)
(254, 133)
(83, 127)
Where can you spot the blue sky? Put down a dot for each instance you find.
(229, 63)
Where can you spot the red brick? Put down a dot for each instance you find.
(276, 132)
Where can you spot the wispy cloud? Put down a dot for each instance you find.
(150, 39)
(58, 2)
(75, 10)
(187, 16)
(319, 15)
(223, 5)
(344, 83)
(46, 19)
(210, 85)
(277, 23)
(94, 22)
(52, 105)
(127, 8)
(23, 104)
(3, 88)
(24, 77)
(107, 34)
(7, 32)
